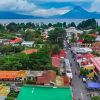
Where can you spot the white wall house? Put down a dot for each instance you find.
(27, 43)
(98, 38)
(72, 30)
(45, 33)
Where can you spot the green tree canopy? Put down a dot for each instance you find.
(88, 38)
(72, 24)
(88, 24)
(57, 35)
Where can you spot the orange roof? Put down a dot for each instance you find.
(30, 51)
(94, 35)
(66, 81)
(16, 40)
(8, 74)
(11, 74)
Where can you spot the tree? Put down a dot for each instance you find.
(21, 26)
(40, 60)
(49, 25)
(93, 31)
(44, 26)
(55, 49)
(39, 41)
(30, 25)
(58, 25)
(73, 38)
(2, 28)
(88, 24)
(28, 35)
(96, 98)
(95, 53)
(88, 38)
(7, 49)
(56, 36)
(12, 27)
(72, 24)
(15, 62)
(10, 63)
(98, 30)
(84, 71)
(64, 24)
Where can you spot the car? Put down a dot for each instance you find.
(84, 80)
(68, 69)
(69, 74)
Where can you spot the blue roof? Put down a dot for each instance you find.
(93, 85)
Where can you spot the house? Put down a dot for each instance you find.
(34, 74)
(96, 63)
(96, 46)
(72, 30)
(98, 38)
(59, 81)
(27, 43)
(56, 61)
(45, 93)
(16, 40)
(13, 75)
(30, 51)
(63, 81)
(57, 58)
(4, 91)
(46, 78)
(45, 33)
(4, 40)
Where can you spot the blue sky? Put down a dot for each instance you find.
(47, 7)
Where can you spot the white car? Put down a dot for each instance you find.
(67, 63)
(69, 73)
(68, 69)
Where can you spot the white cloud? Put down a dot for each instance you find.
(30, 8)
(50, 12)
(64, 0)
(18, 5)
(95, 6)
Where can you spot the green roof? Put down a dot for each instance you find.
(44, 93)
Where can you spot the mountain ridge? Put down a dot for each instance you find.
(75, 13)
(12, 15)
(79, 13)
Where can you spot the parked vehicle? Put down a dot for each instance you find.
(68, 69)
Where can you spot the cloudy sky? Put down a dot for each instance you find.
(47, 7)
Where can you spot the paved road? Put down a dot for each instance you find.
(79, 90)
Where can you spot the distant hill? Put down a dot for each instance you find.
(75, 13)
(79, 13)
(12, 15)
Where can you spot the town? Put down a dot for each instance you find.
(50, 62)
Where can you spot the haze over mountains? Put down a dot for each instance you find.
(12, 15)
(75, 13)
(80, 13)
